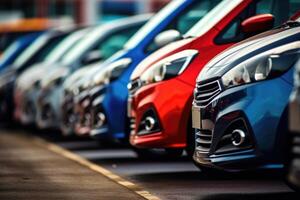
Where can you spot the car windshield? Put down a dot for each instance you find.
(8, 38)
(81, 47)
(182, 22)
(62, 48)
(212, 17)
(155, 21)
(107, 40)
(9, 52)
(31, 50)
(38, 51)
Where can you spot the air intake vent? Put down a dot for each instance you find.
(203, 140)
(205, 92)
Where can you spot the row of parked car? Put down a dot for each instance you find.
(213, 78)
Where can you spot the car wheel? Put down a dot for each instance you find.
(158, 153)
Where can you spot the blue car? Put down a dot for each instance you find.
(240, 102)
(15, 49)
(109, 94)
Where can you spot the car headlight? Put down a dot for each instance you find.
(265, 66)
(112, 71)
(169, 67)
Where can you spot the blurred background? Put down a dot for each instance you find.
(77, 11)
(27, 16)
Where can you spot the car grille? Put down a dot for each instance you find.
(134, 85)
(203, 140)
(205, 92)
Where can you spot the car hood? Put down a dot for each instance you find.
(60, 71)
(32, 75)
(242, 51)
(73, 79)
(158, 55)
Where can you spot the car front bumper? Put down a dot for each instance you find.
(259, 110)
(48, 114)
(169, 104)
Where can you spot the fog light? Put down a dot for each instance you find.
(238, 137)
(149, 123)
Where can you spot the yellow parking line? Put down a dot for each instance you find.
(117, 179)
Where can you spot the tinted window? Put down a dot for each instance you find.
(193, 14)
(116, 42)
(96, 40)
(41, 55)
(282, 10)
(8, 38)
(264, 6)
(37, 51)
(233, 33)
(294, 6)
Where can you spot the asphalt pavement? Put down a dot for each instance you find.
(163, 178)
(30, 171)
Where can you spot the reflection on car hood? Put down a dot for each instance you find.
(247, 49)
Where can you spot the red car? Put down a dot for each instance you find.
(161, 87)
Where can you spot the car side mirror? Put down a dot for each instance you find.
(258, 24)
(166, 37)
(92, 57)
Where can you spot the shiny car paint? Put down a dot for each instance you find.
(112, 99)
(259, 108)
(172, 99)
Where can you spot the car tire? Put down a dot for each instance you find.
(153, 154)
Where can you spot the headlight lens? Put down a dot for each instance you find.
(169, 67)
(112, 71)
(262, 67)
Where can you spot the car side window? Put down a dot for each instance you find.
(282, 10)
(294, 6)
(233, 33)
(264, 7)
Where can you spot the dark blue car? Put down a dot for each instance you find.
(240, 102)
